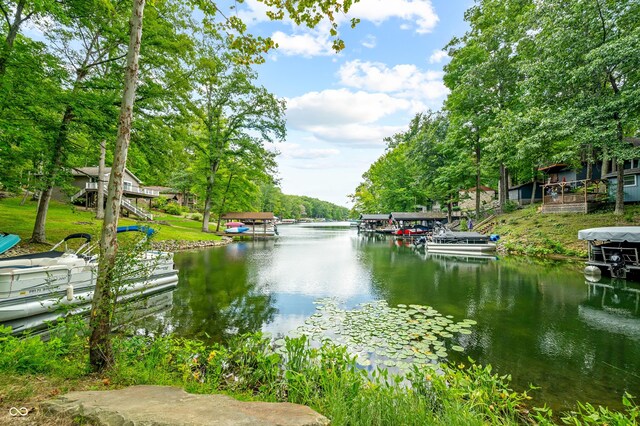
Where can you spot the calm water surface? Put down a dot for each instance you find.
(541, 323)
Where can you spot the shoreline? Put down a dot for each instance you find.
(164, 245)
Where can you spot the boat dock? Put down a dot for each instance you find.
(259, 224)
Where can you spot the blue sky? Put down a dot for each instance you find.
(341, 106)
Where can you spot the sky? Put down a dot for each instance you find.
(341, 106)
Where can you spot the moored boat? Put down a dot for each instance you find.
(613, 251)
(447, 241)
(33, 284)
(237, 230)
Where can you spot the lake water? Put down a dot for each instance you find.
(540, 322)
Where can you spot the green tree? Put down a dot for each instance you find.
(583, 74)
(230, 111)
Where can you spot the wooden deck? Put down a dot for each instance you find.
(581, 196)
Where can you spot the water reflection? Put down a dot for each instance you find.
(219, 294)
(535, 320)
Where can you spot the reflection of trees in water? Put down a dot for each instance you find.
(528, 320)
(216, 297)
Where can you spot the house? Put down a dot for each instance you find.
(560, 172)
(521, 194)
(568, 190)
(86, 181)
(183, 198)
(631, 176)
(468, 197)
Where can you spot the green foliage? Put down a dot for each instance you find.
(173, 209)
(325, 378)
(196, 216)
(62, 354)
(587, 414)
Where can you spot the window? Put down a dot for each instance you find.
(630, 180)
(128, 184)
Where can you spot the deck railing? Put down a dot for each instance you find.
(127, 188)
(575, 192)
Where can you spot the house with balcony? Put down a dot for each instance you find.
(86, 180)
(570, 189)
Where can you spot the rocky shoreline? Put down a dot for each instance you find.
(165, 245)
(183, 245)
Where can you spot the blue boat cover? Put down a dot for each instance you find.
(135, 228)
(7, 241)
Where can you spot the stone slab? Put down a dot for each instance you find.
(165, 405)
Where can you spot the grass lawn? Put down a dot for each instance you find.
(65, 219)
(530, 232)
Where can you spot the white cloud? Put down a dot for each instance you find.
(343, 117)
(414, 12)
(418, 12)
(369, 41)
(307, 44)
(437, 56)
(296, 151)
(406, 80)
(363, 135)
(342, 106)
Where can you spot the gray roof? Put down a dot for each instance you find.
(93, 172)
(248, 216)
(418, 215)
(630, 234)
(374, 216)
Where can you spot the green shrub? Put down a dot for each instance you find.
(196, 216)
(161, 202)
(173, 209)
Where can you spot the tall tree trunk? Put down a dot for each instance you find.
(100, 200)
(213, 168)
(605, 162)
(224, 201)
(478, 178)
(534, 186)
(503, 187)
(620, 189)
(100, 349)
(49, 178)
(620, 165)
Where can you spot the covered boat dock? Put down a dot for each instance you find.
(378, 223)
(260, 224)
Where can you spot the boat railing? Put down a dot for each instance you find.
(629, 254)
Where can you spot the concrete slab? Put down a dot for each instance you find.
(164, 405)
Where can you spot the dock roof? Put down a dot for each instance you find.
(418, 215)
(375, 217)
(249, 216)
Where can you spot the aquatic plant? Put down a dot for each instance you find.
(397, 337)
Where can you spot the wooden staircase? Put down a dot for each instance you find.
(485, 224)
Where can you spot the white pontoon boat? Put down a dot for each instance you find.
(612, 250)
(37, 283)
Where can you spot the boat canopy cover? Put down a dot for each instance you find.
(136, 228)
(630, 234)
